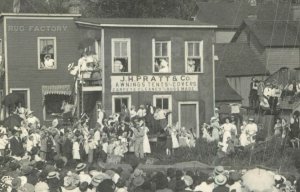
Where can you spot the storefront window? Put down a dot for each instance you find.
(162, 56)
(121, 56)
(194, 56)
(47, 52)
(120, 102)
(53, 105)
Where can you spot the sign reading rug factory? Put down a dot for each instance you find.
(154, 83)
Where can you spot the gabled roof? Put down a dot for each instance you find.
(231, 14)
(225, 93)
(272, 33)
(238, 59)
(143, 22)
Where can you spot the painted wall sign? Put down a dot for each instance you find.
(37, 28)
(154, 83)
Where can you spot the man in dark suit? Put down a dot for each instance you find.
(16, 145)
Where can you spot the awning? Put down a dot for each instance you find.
(56, 89)
(225, 93)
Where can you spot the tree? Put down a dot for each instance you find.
(138, 8)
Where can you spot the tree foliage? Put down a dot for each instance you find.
(109, 8)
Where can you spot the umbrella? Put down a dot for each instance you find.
(12, 121)
(11, 99)
(258, 180)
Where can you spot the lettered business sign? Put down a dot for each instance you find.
(154, 83)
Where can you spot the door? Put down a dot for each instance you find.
(189, 116)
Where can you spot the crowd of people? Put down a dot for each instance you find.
(267, 95)
(57, 158)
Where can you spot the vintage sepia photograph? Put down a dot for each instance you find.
(149, 95)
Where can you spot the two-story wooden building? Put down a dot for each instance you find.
(164, 62)
(168, 63)
(36, 50)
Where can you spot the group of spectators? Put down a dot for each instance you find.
(56, 176)
(267, 95)
(227, 134)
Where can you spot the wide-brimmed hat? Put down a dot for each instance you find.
(99, 178)
(138, 181)
(219, 170)
(27, 170)
(29, 112)
(188, 180)
(52, 175)
(80, 167)
(71, 181)
(16, 183)
(220, 179)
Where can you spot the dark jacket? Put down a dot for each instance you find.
(16, 147)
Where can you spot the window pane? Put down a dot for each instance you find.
(117, 49)
(117, 105)
(159, 103)
(164, 49)
(165, 103)
(197, 49)
(190, 49)
(124, 49)
(157, 49)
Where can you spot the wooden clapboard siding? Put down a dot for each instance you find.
(141, 64)
(22, 52)
(282, 57)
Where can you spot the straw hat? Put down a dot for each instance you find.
(71, 181)
(220, 179)
(80, 167)
(219, 170)
(52, 175)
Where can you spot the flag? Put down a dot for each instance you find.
(16, 6)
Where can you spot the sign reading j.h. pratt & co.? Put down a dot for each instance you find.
(37, 28)
(154, 83)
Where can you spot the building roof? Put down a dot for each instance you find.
(273, 33)
(143, 22)
(38, 15)
(238, 59)
(231, 14)
(225, 93)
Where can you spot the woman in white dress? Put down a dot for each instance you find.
(226, 128)
(146, 143)
(173, 133)
(243, 137)
(75, 150)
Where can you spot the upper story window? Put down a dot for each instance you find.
(47, 53)
(161, 56)
(121, 56)
(194, 56)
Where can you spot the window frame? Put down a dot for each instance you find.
(169, 97)
(28, 94)
(128, 40)
(186, 57)
(1, 47)
(39, 54)
(119, 97)
(169, 47)
(44, 108)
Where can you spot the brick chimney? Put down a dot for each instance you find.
(74, 6)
